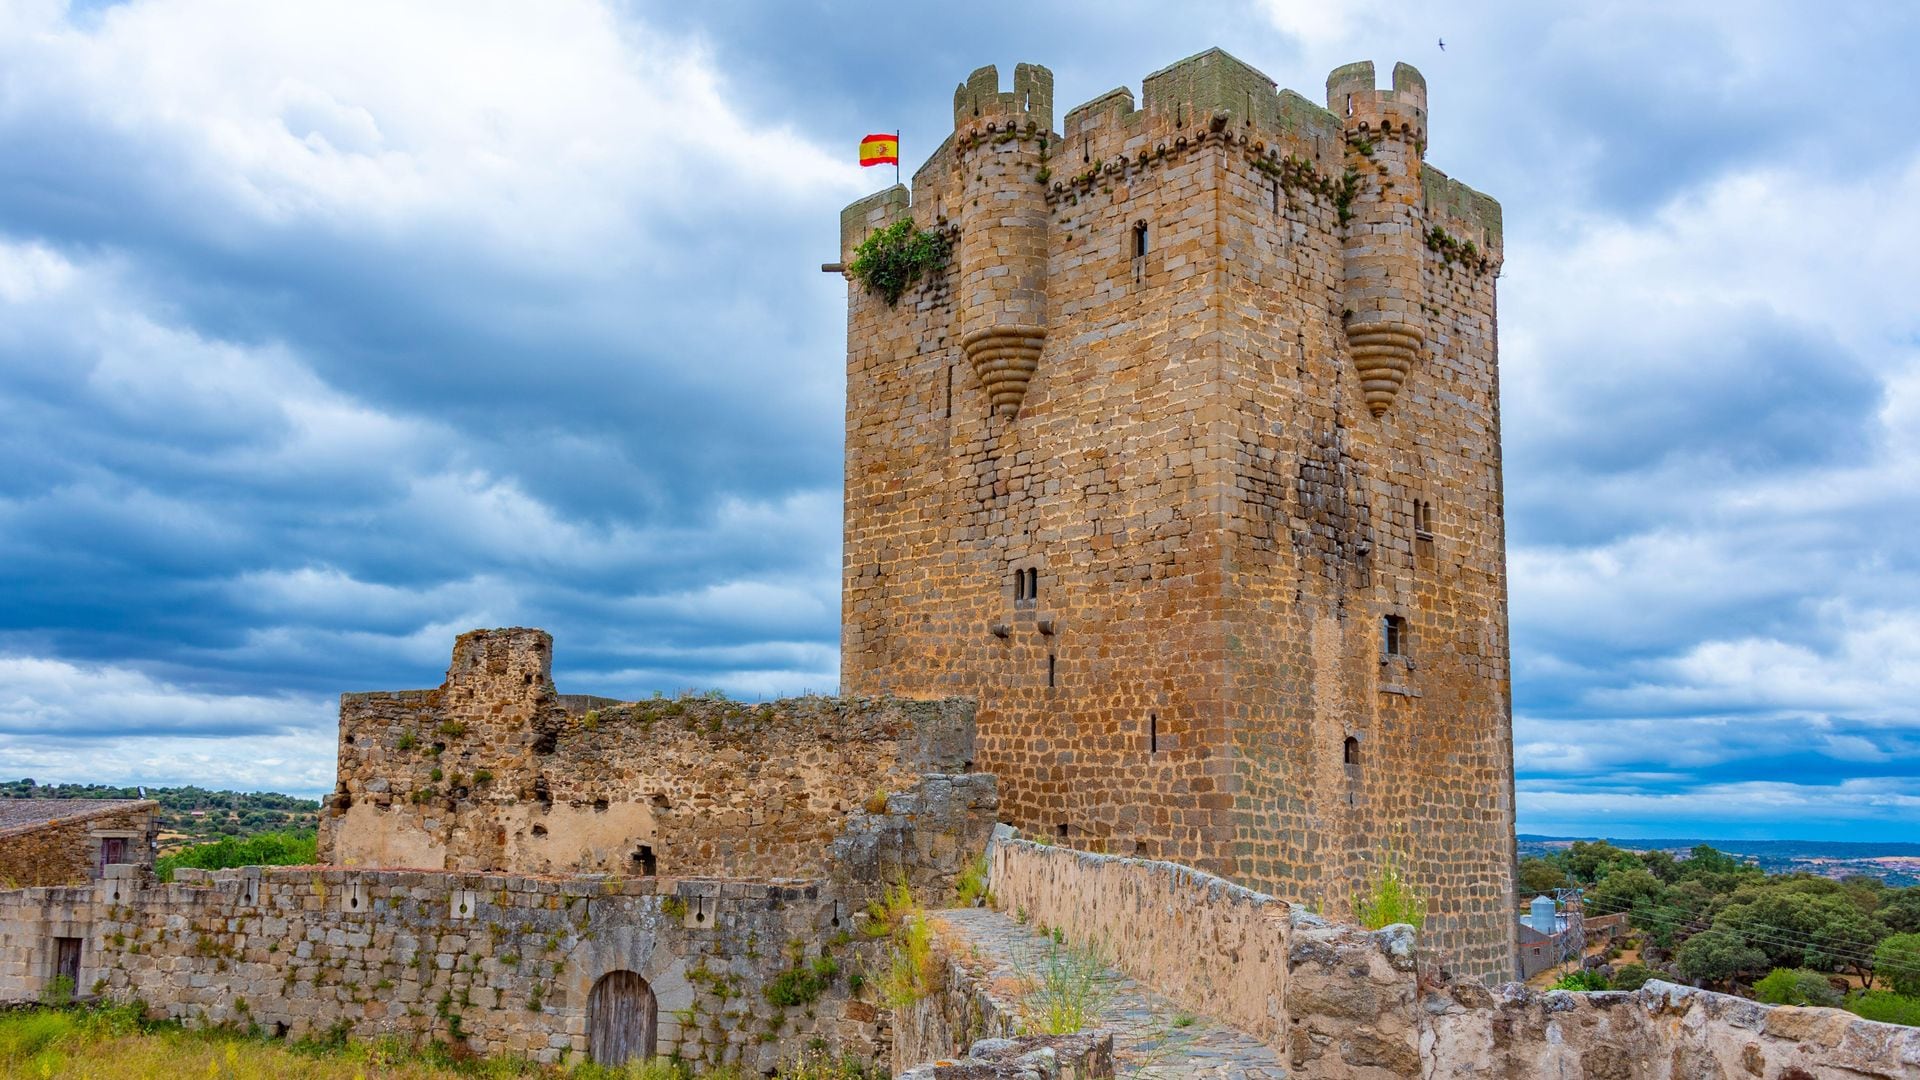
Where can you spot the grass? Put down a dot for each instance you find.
(261, 849)
(1390, 897)
(1066, 987)
(972, 886)
(113, 1042)
(909, 969)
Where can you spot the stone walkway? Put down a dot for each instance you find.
(1152, 1037)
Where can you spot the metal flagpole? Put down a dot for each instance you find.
(896, 157)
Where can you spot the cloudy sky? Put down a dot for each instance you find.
(328, 331)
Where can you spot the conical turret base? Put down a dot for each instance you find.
(1005, 358)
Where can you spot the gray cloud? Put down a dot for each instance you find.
(326, 334)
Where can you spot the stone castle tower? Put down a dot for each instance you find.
(1186, 467)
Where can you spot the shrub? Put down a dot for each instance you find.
(1582, 981)
(1886, 1007)
(1795, 986)
(1897, 960)
(895, 257)
(802, 983)
(261, 849)
(1631, 976)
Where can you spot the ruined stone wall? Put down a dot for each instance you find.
(1343, 1002)
(1214, 470)
(495, 771)
(503, 963)
(67, 850)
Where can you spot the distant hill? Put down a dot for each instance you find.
(190, 815)
(1895, 862)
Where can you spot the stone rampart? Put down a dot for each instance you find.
(1208, 943)
(1342, 1002)
(495, 770)
(506, 964)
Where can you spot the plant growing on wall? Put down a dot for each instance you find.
(895, 257)
(1389, 897)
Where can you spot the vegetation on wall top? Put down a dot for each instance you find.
(897, 256)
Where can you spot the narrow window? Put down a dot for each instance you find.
(1062, 830)
(1051, 668)
(1139, 239)
(1153, 733)
(1393, 635)
(1033, 584)
(1351, 751)
(649, 865)
(1019, 588)
(1276, 196)
(1423, 519)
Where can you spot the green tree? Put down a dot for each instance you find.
(1625, 888)
(1661, 864)
(1901, 910)
(1796, 986)
(1845, 939)
(1718, 956)
(1538, 876)
(1589, 861)
(1897, 960)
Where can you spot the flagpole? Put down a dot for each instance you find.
(896, 157)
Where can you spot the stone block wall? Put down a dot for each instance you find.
(64, 848)
(494, 770)
(1207, 395)
(503, 963)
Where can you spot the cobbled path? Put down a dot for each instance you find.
(1149, 1038)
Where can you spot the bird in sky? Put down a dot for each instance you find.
(1443, 44)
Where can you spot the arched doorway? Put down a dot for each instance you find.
(621, 1019)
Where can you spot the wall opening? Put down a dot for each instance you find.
(66, 962)
(1139, 239)
(1026, 587)
(1423, 519)
(645, 860)
(1153, 733)
(1060, 830)
(1052, 669)
(622, 1019)
(1350, 751)
(1393, 636)
(113, 850)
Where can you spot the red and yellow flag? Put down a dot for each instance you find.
(880, 150)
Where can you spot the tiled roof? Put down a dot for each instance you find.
(18, 815)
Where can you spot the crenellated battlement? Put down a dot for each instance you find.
(1029, 104)
(1370, 113)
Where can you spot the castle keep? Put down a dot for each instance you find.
(1186, 468)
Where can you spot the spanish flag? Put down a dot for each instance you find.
(880, 150)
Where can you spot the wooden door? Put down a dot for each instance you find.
(621, 1019)
(113, 850)
(66, 961)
